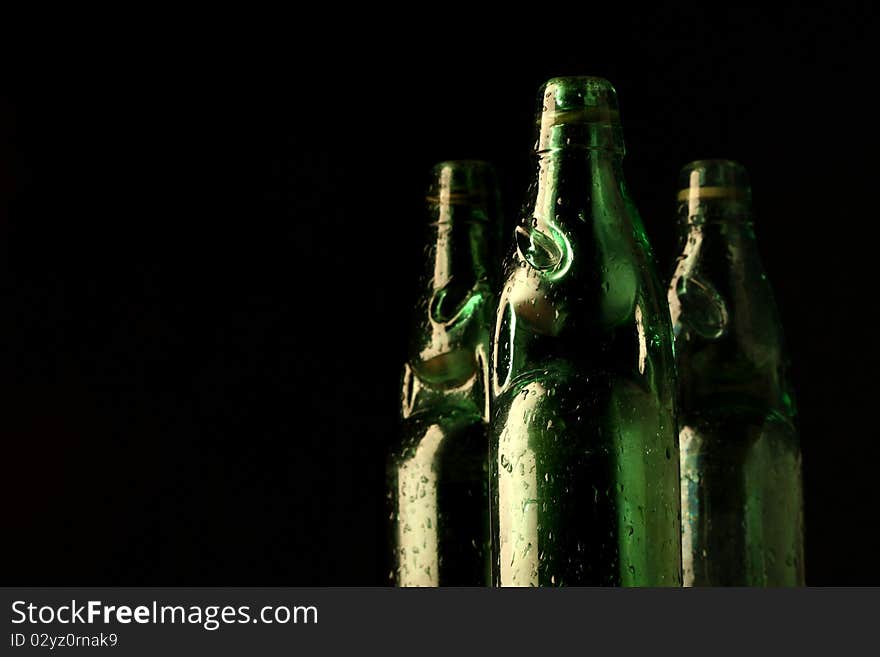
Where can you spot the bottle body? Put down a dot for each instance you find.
(583, 445)
(742, 514)
(742, 509)
(437, 473)
(439, 493)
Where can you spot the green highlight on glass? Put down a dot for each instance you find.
(742, 507)
(584, 461)
(437, 475)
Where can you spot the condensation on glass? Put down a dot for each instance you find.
(583, 443)
(742, 509)
(438, 468)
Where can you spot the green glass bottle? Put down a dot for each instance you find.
(742, 509)
(583, 444)
(438, 471)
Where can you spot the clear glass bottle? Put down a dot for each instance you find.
(742, 506)
(438, 470)
(583, 443)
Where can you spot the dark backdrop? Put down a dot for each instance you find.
(209, 257)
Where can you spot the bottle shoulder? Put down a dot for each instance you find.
(603, 292)
(613, 330)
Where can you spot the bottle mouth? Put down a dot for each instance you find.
(470, 183)
(579, 111)
(714, 179)
(584, 98)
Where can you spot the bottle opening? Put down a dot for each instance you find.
(466, 183)
(580, 112)
(714, 179)
(583, 98)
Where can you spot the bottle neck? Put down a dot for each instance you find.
(462, 211)
(449, 340)
(584, 128)
(716, 247)
(716, 238)
(450, 332)
(571, 181)
(727, 330)
(578, 205)
(460, 251)
(732, 208)
(461, 236)
(580, 149)
(714, 192)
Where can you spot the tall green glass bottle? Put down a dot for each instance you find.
(438, 471)
(583, 445)
(742, 509)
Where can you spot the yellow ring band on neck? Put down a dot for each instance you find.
(733, 193)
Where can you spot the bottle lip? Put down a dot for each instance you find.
(468, 183)
(587, 94)
(714, 179)
(578, 111)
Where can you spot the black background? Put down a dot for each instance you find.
(209, 256)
